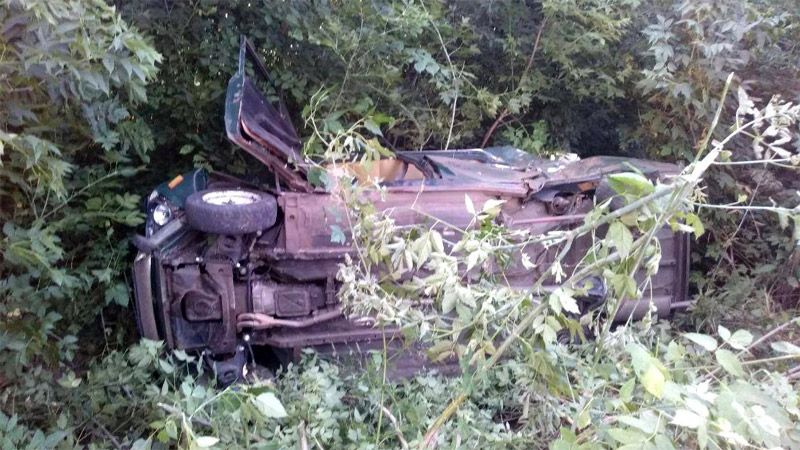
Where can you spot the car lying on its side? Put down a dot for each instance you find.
(225, 268)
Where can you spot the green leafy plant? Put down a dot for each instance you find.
(84, 110)
(70, 70)
(397, 269)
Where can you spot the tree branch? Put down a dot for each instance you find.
(528, 66)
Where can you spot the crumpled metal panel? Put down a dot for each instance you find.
(595, 167)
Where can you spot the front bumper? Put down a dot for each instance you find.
(143, 292)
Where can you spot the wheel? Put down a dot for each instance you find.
(231, 211)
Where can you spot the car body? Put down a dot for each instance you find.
(224, 265)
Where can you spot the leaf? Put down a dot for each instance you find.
(141, 444)
(697, 406)
(206, 441)
(785, 347)
(746, 105)
(724, 333)
(269, 405)
(767, 423)
(653, 381)
(440, 351)
(687, 419)
(171, 429)
(492, 207)
(729, 362)
(373, 127)
(663, 443)
(181, 355)
(703, 340)
(566, 300)
(473, 259)
(675, 351)
(436, 241)
(696, 224)
(648, 369)
(319, 178)
(626, 390)
(166, 366)
(740, 339)
(548, 334)
(527, 263)
(702, 436)
(469, 204)
(630, 183)
(627, 436)
(69, 380)
(449, 301)
(620, 237)
(647, 423)
(118, 293)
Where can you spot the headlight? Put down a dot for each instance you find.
(162, 214)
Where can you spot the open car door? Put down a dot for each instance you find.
(261, 128)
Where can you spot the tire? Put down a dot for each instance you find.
(231, 211)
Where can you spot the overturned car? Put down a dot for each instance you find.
(228, 269)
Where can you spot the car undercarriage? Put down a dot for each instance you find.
(229, 269)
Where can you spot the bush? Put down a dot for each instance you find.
(71, 70)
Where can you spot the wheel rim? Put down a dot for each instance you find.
(230, 198)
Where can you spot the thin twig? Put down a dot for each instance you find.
(533, 52)
(746, 208)
(397, 430)
(758, 342)
(769, 335)
(303, 439)
(528, 66)
(703, 145)
(108, 434)
(79, 192)
(453, 75)
(494, 126)
(177, 412)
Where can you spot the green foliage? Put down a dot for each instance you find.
(83, 111)
(693, 46)
(673, 396)
(652, 390)
(71, 70)
(430, 74)
(16, 436)
(152, 402)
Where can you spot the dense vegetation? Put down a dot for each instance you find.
(99, 102)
